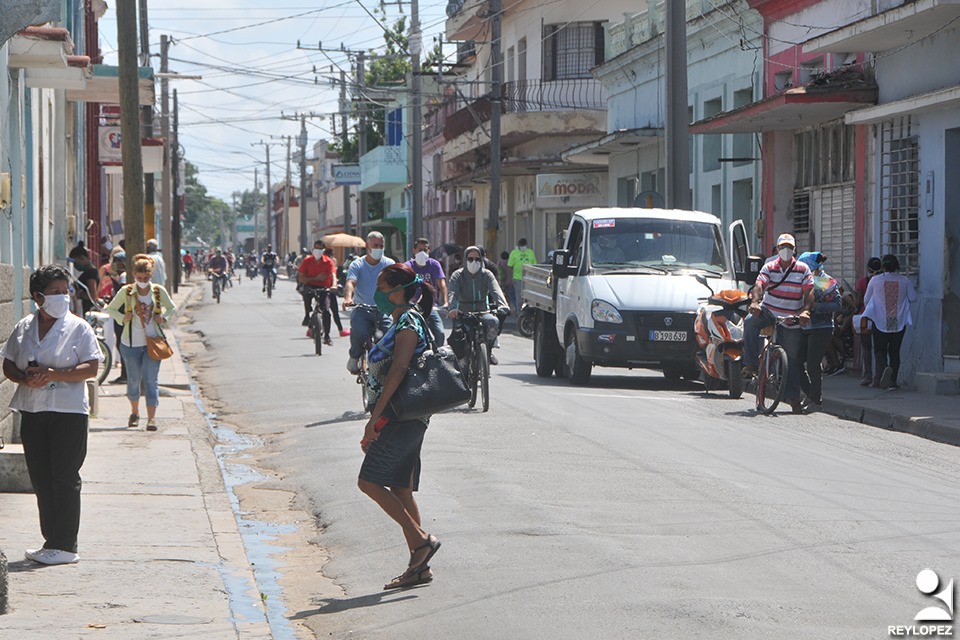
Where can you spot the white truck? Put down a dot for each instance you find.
(622, 291)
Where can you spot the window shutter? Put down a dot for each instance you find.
(598, 43)
(549, 52)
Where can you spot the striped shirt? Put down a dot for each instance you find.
(784, 299)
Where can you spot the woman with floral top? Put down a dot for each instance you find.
(391, 468)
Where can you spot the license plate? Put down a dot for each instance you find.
(668, 336)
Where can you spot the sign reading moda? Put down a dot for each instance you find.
(346, 174)
(928, 582)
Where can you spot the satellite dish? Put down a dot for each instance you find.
(649, 200)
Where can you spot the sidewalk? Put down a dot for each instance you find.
(161, 553)
(927, 416)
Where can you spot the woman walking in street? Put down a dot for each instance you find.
(391, 468)
(887, 304)
(49, 356)
(817, 335)
(142, 308)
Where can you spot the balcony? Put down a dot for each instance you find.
(383, 168)
(569, 94)
(465, 19)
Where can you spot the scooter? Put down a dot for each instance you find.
(526, 320)
(718, 328)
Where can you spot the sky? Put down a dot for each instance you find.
(253, 73)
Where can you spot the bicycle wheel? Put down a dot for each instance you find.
(269, 286)
(317, 333)
(107, 363)
(483, 374)
(771, 378)
(472, 374)
(362, 381)
(216, 289)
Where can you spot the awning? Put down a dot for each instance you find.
(74, 76)
(934, 101)
(104, 86)
(18, 14)
(898, 27)
(40, 48)
(597, 151)
(793, 109)
(451, 215)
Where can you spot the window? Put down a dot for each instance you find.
(743, 143)
(824, 155)
(712, 145)
(571, 50)
(626, 191)
(899, 193)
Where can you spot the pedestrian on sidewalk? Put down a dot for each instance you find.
(50, 355)
(142, 308)
(887, 304)
(866, 333)
(390, 473)
(817, 334)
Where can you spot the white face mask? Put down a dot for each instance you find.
(786, 253)
(421, 258)
(376, 254)
(317, 253)
(474, 267)
(143, 285)
(56, 305)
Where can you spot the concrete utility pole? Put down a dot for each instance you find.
(149, 188)
(133, 229)
(175, 232)
(361, 83)
(271, 230)
(416, 124)
(677, 122)
(256, 212)
(302, 141)
(347, 226)
(166, 239)
(493, 213)
(286, 191)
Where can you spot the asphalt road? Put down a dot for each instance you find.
(630, 508)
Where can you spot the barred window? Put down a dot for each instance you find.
(900, 193)
(570, 51)
(824, 155)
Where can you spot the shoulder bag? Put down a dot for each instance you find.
(433, 384)
(157, 348)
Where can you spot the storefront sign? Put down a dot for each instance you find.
(346, 174)
(558, 189)
(110, 144)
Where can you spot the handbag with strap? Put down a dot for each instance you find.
(157, 348)
(433, 384)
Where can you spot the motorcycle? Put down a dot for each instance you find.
(526, 320)
(718, 328)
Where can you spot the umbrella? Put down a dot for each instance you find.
(446, 250)
(343, 240)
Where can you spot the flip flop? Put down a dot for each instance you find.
(409, 578)
(433, 544)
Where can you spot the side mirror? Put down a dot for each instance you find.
(753, 265)
(561, 264)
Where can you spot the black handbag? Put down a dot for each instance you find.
(433, 384)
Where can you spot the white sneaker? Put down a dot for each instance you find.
(31, 554)
(353, 366)
(55, 556)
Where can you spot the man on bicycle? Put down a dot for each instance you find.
(784, 288)
(471, 289)
(315, 276)
(361, 285)
(432, 273)
(220, 268)
(268, 266)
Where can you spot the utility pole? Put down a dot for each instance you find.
(271, 235)
(286, 193)
(493, 213)
(166, 239)
(416, 123)
(256, 212)
(175, 232)
(149, 188)
(302, 140)
(677, 123)
(347, 226)
(133, 230)
(361, 82)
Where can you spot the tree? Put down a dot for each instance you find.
(205, 217)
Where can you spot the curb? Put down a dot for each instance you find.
(927, 428)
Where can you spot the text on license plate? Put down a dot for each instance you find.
(668, 336)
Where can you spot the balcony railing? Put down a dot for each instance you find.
(527, 96)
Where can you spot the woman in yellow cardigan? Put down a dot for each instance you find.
(142, 308)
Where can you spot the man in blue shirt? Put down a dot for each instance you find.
(361, 284)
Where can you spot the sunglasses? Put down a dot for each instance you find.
(474, 259)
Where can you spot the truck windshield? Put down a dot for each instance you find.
(619, 243)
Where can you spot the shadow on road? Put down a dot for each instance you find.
(625, 382)
(336, 605)
(347, 416)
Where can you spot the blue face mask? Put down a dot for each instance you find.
(382, 298)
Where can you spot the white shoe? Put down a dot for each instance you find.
(31, 554)
(353, 366)
(55, 556)
(496, 343)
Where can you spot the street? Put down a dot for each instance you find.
(630, 508)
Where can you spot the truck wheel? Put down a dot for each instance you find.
(673, 372)
(544, 355)
(578, 368)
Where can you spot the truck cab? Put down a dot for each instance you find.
(623, 289)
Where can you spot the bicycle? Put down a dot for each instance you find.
(476, 358)
(98, 319)
(318, 304)
(218, 281)
(269, 280)
(772, 369)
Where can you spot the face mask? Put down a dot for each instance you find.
(421, 258)
(382, 298)
(474, 267)
(376, 254)
(523, 247)
(317, 253)
(143, 285)
(785, 254)
(57, 305)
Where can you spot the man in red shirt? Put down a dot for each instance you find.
(316, 275)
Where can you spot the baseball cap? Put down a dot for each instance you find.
(786, 238)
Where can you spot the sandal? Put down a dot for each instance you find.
(410, 578)
(431, 543)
